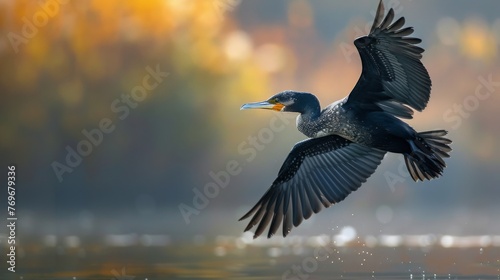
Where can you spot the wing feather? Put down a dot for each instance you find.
(393, 77)
(317, 173)
(277, 218)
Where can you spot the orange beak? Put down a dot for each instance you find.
(276, 106)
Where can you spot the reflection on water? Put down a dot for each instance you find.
(342, 256)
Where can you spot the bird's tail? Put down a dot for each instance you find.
(428, 150)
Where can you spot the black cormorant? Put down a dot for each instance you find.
(349, 138)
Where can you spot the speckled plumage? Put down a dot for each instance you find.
(336, 119)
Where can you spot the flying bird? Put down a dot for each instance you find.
(348, 139)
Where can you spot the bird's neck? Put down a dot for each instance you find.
(308, 122)
(310, 112)
(312, 109)
(311, 115)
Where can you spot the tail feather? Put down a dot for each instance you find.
(426, 159)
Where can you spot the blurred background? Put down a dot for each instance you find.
(123, 122)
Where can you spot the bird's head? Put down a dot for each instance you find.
(288, 101)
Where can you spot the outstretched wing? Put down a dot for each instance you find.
(317, 172)
(393, 77)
